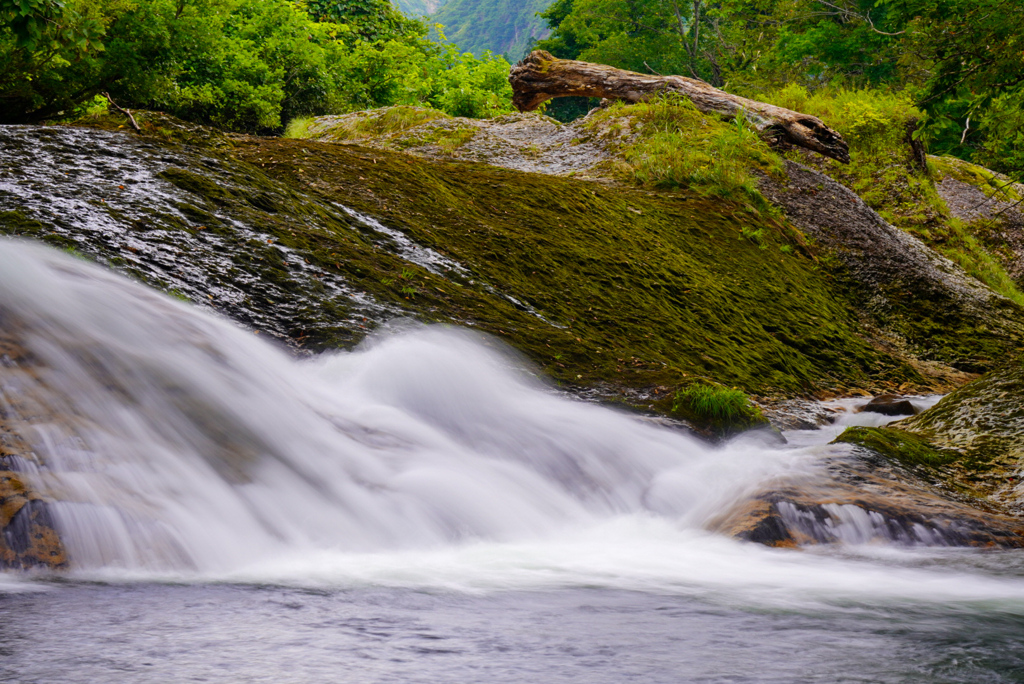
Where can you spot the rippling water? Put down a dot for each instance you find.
(421, 509)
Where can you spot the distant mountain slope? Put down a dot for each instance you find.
(419, 8)
(501, 26)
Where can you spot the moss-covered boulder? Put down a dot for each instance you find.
(971, 444)
(630, 288)
(616, 290)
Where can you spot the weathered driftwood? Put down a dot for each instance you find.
(541, 77)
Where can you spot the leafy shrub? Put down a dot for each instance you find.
(245, 65)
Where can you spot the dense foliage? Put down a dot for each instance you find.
(247, 65)
(961, 62)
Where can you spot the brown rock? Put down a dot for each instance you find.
(890, 405)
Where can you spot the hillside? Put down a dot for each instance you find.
(419, 8)
(506, 27)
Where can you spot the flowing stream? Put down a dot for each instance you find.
(422, 509)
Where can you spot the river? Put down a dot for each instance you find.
(423, 509)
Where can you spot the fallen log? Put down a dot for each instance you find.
(540, 77)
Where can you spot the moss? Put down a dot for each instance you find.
(898, 445)
(992, 183)
(446, 137)
(373, 123)
(17, 223)
(194, 183)
(618, 287)
(983, 419)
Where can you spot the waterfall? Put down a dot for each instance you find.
(172, 438)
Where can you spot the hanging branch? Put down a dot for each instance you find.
(127, 113)
(541, 77)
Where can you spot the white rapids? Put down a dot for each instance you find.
(189, 447)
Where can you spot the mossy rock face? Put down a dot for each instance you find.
(972, 441)
(524, 142)
(617, 291)
(898, 445)
(925, 303)
(987, 204)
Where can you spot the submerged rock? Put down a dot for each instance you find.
(28, 537)
(952, 474)
(864, 498)
(890, 405)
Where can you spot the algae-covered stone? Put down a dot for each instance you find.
(27, 534)
(972, 442)
(898, 445)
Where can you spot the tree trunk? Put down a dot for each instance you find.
(540, 77)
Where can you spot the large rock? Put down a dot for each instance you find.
(890, 405)
(28, 537)
(990, 204)
(921, 299)
(968, 448)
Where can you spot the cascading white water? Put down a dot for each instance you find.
(176, 443)
(184, 440)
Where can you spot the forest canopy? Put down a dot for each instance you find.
(253, 65)
(245, 65)
(961, 62)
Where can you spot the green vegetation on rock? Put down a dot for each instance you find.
(898, 445)
(891, 176)
(958, 61)
(724, 409)
(974, 436)
(668, 144)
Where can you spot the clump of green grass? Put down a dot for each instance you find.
(298, 127)
(374, 123)
(719, 407)
(675, 146)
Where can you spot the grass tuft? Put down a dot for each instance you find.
(298, 128)
(672, 145)
(720, 407)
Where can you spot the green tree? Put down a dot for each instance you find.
(45, 45)
(971, 57)
(246, 65)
